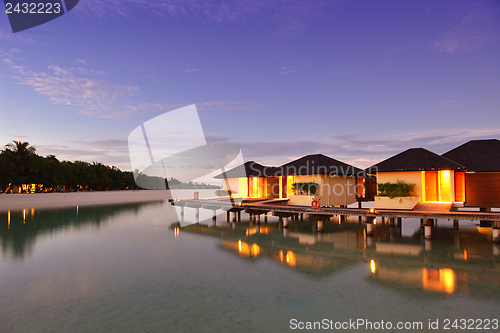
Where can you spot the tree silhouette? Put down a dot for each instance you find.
(21, 156)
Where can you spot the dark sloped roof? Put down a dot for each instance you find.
(477, 155)
(415, 159)
(248, 169)
(317, 164)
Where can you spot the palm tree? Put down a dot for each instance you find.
(21, 156)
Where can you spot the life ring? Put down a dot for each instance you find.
(315, 204)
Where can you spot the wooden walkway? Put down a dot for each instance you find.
(279, 207)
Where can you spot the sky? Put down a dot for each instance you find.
(358, 81)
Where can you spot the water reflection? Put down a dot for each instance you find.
(455, 261)
(19, 234)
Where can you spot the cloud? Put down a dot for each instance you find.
(361, 152)
(290, 16)
(73, 87)
(286, 70)
(106, 151)
(79, 61)
(94, 97)
(474, 31)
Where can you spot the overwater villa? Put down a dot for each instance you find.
(482, 179)
(468, 175)
(435, 178)
(326, 179)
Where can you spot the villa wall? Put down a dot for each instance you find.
(414, 177)
(332, 190)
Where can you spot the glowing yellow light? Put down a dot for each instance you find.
(76, 210)
(290, 258)
(176, 232)
(255, 250)
(373, 267)
(8, 219)
(24, 215)
(446, 175)
(466, 254)
(448, 277)
(281, 256)
(32, 212)
(442, 280)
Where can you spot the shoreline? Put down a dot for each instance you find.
(70, 199)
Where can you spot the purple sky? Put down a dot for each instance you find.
(356, 80)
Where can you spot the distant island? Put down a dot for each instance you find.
(22, 170)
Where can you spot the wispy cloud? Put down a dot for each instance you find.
(62, 86)
(287, 70)
(289, 15)
(475, 30)
(200, 106)
(106, 151)
(358, 151)
(78, 88)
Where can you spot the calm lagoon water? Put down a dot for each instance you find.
(131, 268)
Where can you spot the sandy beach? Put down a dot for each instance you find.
(60, 200)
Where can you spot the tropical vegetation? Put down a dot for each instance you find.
(23, 170)
(305, 188)
(398, 189)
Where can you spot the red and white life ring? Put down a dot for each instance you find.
(315, 204)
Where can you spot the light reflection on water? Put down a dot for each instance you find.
(131, 267)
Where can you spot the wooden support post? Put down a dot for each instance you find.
(265, 218)
(228, 218)
(483, 223)
(343, 218)
(214, 217)
(257, 219)
(391, 221)
(455, 224)
(360, 219)
(496, 249)
(428, 245)
(400, 221)
(239, 216)
(285, 222)
(428, 228)
(369, 225)
(422, 223)
(360, 205)
(369, 229)
(495, 232)
(320, 226)
(257, 229)
(234, 216)
(285, 232)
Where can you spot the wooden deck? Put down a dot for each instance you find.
(280, 206)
